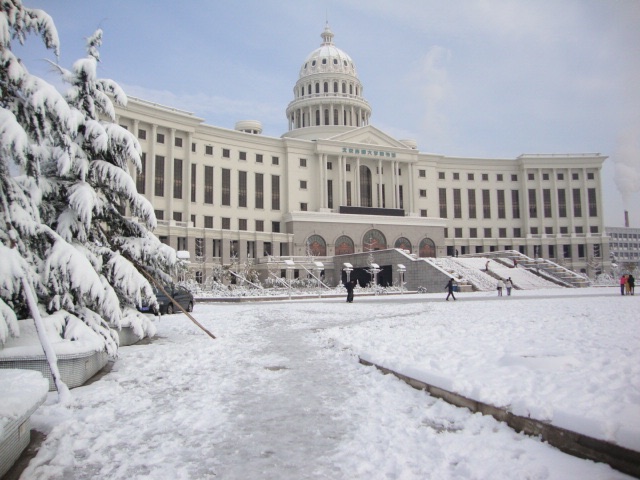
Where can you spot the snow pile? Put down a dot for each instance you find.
(22, 390)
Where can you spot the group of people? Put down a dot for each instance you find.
(627, 284)
(508, 285)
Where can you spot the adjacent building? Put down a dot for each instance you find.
(335, 184)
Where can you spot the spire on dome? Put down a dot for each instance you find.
(327, 35)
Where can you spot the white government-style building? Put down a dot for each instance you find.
(334, 184)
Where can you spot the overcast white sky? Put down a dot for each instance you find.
(479, 78)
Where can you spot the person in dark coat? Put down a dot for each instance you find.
(449, 287)
(631, 282)
(350, 286)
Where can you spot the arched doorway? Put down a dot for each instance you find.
(374, 240)
(316, 246)
(366, 187)
(427, 248)
(344, 245)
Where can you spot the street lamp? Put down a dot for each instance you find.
(401, 270)
(374, 268)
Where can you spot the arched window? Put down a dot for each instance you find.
(309, 89)
(318, 117)
(374, 240)
(326, 116)
(344, 87)
(335, 87)
(403, 243)
(317, 87)
(427, 248)
(350, 89)
(326, 87)
(366, 190)
(302, 91)
(316, 246)
(344, 245)
(335, 116)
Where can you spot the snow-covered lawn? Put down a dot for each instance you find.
(280, 394)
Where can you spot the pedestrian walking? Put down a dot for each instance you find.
(500, 287)
(350, 286)
(509, 285)
(449, 287)
(623, 284)
(631, 283)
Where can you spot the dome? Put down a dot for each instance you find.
(328, 58)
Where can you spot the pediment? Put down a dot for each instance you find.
(368, 135)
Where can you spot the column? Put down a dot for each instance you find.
(379, 188)
(169, 166)
(356, 187)
(411, 190)
(341, 180)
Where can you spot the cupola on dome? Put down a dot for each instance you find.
(327, 58)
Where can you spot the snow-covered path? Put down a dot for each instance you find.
(275, 398)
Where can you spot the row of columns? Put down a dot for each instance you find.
(306, 117)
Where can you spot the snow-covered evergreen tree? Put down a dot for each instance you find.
(62, 226)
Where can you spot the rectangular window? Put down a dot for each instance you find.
(545, 176)
(577, 203)
(473, 232)
(178, 142)
(242, 155)
(591, 176)
(208, 150)
(177, 178)
(561, 176)
(159, 180)
(259, 158)
(486, 203)
(259, 190)
(242, 224)
(182, 243)
(457, 203)
(329, 166)
(531, 176)
(562, 203)
(348, 194)
(177, 216)
(456, 176)
(160, 138)
(501, 205)
(348, 167)
(303, 162)
(575, 176)
(593, 202)
(485, 177)
(546, 202)
(533, 208)
(470, 176)
(208, 184)
(226, 187)
(303, 184)
(193, 220)
(226, 153)
(442, 195)
(242, 189)
(423, 193)
(193, 147)
(548, 230)
(581, 251)
(275, 227)
(275, 161)
(514, 177)
(502, 232)
(141, 176)
(440, 175)
(596, 250)
(423, 213)
(471, 194)
(199, 250)
(329, 193)
(193, 182)
(303, 207)
(422, 173)
(259, 225)
(208, 222)
(142, 134)
(517, 232)
(457, 232)
(226, 223)
(515, 203)
(487, 233)
(499, 177)
(159, 214)
(275, 192)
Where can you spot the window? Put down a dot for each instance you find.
(275, 192)
(349, 194)
(275, 227)
(226, 153)
(545, 176)
(596, 250)
(242, 155)
(533, 208)
(499, 177)
(581, 250)
(531, 176)
(199, 250)
(141, 176)
(193, 147)
(142, 134)
(577, 203)
(182, 243)
(575, 176)
(473, 232)
(470, 176)
(457, 203)
(303, 184)
(517, 232)
(348, 167)
(501, 205)
(330, 193)
(177, 216)
(259, 179)
(457, 232)
(422, 173)
(303, 207)
(160, 138)
(546, 202)
(471, 195)
(486, 203)
(226, 187)
(159, 180)
(562, 203)
(159, 214)
(514, 178)
(590, 176)
(442, 195)
(423, 193)
(561, 176)
(593, 203)
(208, 150)
(242, 224)
(329, 166)
(485, 177)
(177, 178)
(579, 230)
(534, 230)
(564, 230)
(208, 222)
(515, 203)
(593, 229)
(502, 232)
(177, 142)
(423, 213)
(440, 175)
(548, 230)
(456, 176)
(259, 225)
(193, 182)
(303, 162)
(208, 184)
(275, 161)
(259, 158)
(226, 223)
(242, 189)
(487, 233)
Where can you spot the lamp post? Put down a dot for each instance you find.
(401, 270)
(374, 269)
(290, 267)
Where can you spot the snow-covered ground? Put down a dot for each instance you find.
(280, 393)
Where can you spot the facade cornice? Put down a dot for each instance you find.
(373, 220)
